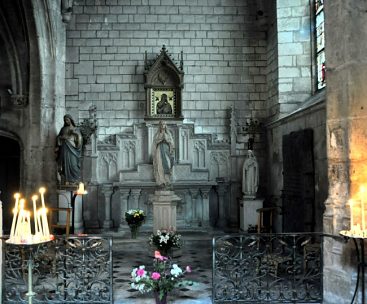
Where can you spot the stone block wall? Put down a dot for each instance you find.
(224, 54)
(294, 55)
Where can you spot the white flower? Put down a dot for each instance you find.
(163, 239)
(176, 271)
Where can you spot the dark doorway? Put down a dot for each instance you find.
(9, 177)
(298, 182)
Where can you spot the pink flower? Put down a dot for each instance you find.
(188, 269)
(158, 256)
(156, 276)
(140, 272)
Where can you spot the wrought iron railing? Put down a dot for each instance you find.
(267, 268)
(66, 270)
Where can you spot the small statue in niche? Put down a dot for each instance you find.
(163, 106)
(163, 155)
(250, 176)
(68, 150)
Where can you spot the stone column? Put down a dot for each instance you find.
(124, 195)
(194, 198)
(221, 190)
(107, 192)
(205, 211)
(346, 142)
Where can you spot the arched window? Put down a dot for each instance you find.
(320, 43)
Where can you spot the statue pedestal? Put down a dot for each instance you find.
(248, 214)
(164, 210)
(64, 201)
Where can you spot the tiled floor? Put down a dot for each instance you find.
(196, 252)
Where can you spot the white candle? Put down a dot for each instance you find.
(19, 224)
(34, 199)
(28, 227)
(40, 229)
(42, 190)
(46, 231)
(351, 214)
(15, 214)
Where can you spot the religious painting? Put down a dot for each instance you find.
(163, 102)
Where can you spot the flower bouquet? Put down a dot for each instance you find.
(162, 280)
(165, 240)
(134, 218)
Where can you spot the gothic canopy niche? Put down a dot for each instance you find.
(163, 85)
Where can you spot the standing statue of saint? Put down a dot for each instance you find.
(68, 150)
(163, 155)
(250, 176)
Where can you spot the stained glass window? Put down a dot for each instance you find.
(320, 44)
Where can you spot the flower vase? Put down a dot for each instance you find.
(167, 252)
(158, 300)
(134, 231)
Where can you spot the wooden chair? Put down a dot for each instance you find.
(261, 227)
(52, 219)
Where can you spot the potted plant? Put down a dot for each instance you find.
(164, 277)
(165, 241)
(134, 218)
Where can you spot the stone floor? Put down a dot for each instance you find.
(195, 252)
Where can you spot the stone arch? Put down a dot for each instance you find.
(10, 174)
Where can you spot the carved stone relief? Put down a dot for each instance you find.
(219, 164)
(199, 155)
(107, 165)
(128, 155)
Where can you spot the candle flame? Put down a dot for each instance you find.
(34, 197)
(17, 195)
(42, 190)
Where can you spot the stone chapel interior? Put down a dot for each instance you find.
(244, 79)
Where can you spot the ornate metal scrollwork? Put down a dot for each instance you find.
(72, 270)
(267, 268)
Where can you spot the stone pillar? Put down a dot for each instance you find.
(64, 201)
(164, 210)
(205, 211)
(107, 192)
(248, 214)
(194, 198)
(346, 77)
(124, 195)
(222, 189)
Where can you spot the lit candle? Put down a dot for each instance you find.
(28, 227)
(40, 229)
(363, 190)
(34, 199)
(19, 224)
(45, 224)
(351, 214)
(80, 189)
(15, 214)
(46, 232)
(42, 191)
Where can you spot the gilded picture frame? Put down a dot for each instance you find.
(163, 102)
